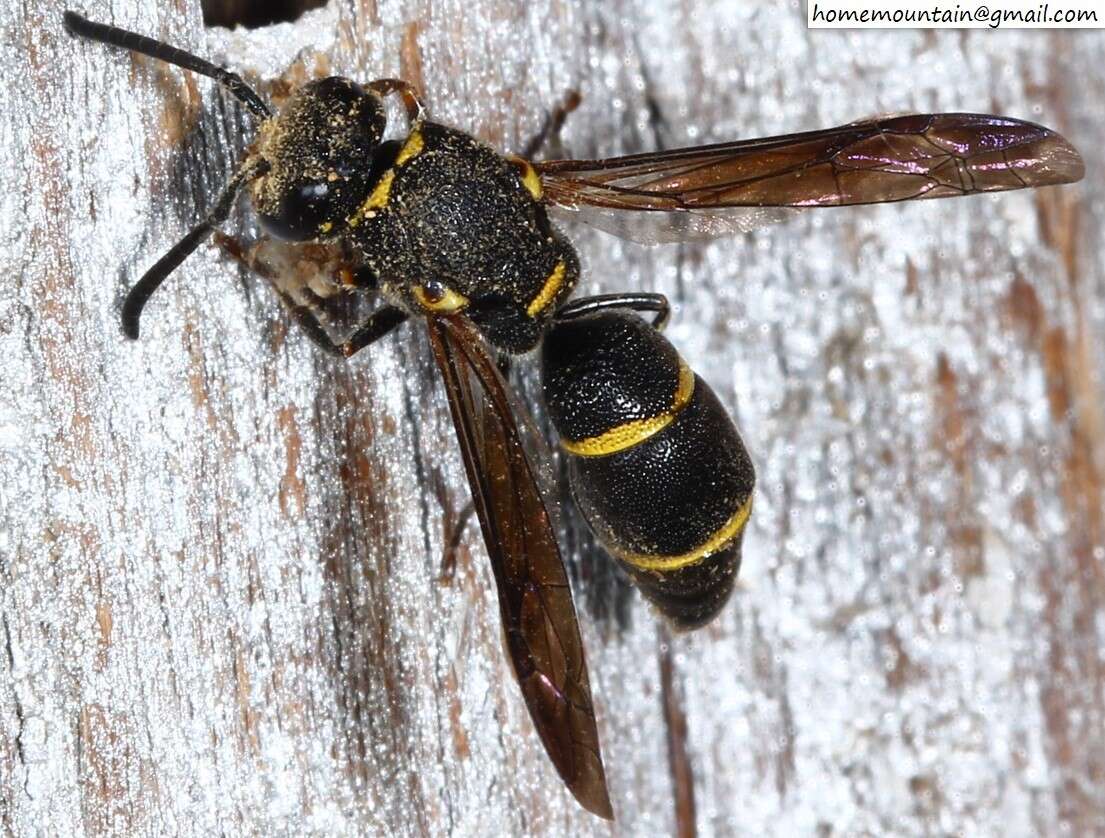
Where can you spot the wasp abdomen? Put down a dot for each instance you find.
(656, 465)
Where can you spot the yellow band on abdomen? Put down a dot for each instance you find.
(716, 542)
(629, 434)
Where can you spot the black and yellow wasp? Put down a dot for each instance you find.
(440, 227)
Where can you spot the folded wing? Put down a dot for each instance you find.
(898, 158)
(535, 601)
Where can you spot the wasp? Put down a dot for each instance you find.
(438, 227)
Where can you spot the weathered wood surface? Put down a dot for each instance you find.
(219, 549)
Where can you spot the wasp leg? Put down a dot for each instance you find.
(656, 303)
(554, 123)
(452, 546)
(309, 317)
(378, 324)
(409, 93)
(306, 314)
(308, 311)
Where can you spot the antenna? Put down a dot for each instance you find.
(142, 290)
(116, 37)
(252, 168)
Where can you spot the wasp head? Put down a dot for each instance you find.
(319, 151)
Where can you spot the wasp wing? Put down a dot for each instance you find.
(899, 158)
(697, 225)
(535, 601)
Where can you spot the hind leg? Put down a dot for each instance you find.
(554, 123)
(656, 303)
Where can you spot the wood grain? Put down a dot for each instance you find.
(220, 610)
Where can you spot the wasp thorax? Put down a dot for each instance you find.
(319, 149)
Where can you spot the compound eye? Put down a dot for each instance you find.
(301, 213)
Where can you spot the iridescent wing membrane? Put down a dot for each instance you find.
(898, 158)
(535, 601)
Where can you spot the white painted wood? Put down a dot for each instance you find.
(218, 548)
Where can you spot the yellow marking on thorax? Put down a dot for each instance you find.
(548, 291)
(629, 434)
(530, 178)
(378, 200)
(449, 303)
(411, 148)
(715, 543)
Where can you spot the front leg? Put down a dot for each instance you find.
(309, 317)
(306, 305)
(378, 324)
(642, 301)
(412, 102)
